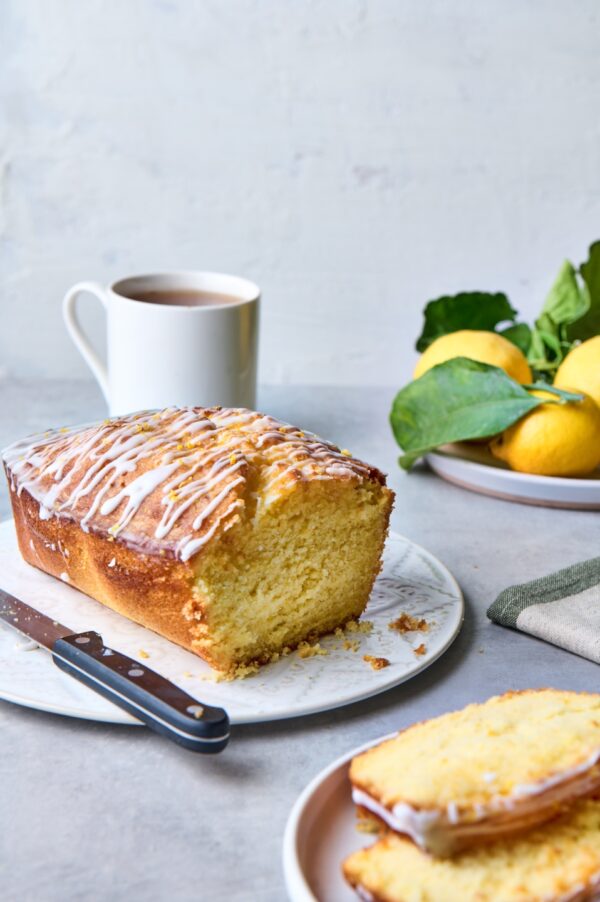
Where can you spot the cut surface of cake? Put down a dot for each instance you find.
(230, 532)
(558, 862)
(490, 770)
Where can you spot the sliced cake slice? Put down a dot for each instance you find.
(557, 862)
(486, 771)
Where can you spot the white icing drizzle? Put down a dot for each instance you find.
(136, 491)
(194, 490)
(196, 459)
(190, 546)
(403, 818)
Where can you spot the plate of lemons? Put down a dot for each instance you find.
(505, 408)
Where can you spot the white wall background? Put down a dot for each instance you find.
(354, 158)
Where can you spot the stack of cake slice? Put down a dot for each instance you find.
(492, 803)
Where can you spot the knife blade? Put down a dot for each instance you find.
(150, 697)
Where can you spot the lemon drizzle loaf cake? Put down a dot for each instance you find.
(489, 770)
(228, 531)
(558, 862)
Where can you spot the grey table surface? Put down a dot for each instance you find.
(92, 811)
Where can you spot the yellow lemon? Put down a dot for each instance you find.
(554, 439)
(581, 369)
(485, 347)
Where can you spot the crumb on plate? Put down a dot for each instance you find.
(376, 663)
(406, 623)
(306, 650)
(360, 626)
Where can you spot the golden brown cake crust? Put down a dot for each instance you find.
(151, 590)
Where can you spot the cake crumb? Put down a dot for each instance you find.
(376, 663)
(406, 623)
(306, 650)
(360, 626)
(143, 654)
(351, 644)
(420, 649)
(243, 672)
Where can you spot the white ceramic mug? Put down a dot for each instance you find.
(160, 355)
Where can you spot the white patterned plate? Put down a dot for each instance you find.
(474, 467)
(321, 832)
(411, 580)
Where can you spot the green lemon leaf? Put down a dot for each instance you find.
(588, 324)
(563, 396)
(457, 400)
(565, 302)
(549, 337)
(564, 306)
(468, 310)
(520, 335)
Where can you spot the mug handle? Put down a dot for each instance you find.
(80, 339)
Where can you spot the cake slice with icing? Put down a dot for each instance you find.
(232, 533)
(557, 862)
(487, 771)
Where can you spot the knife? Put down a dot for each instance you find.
(150, 697)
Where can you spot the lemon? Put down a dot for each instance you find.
(581, 369)
(554, 439)
(485, 347)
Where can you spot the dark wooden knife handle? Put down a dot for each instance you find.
(150, 697)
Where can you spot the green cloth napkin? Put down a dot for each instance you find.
(562, 608)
